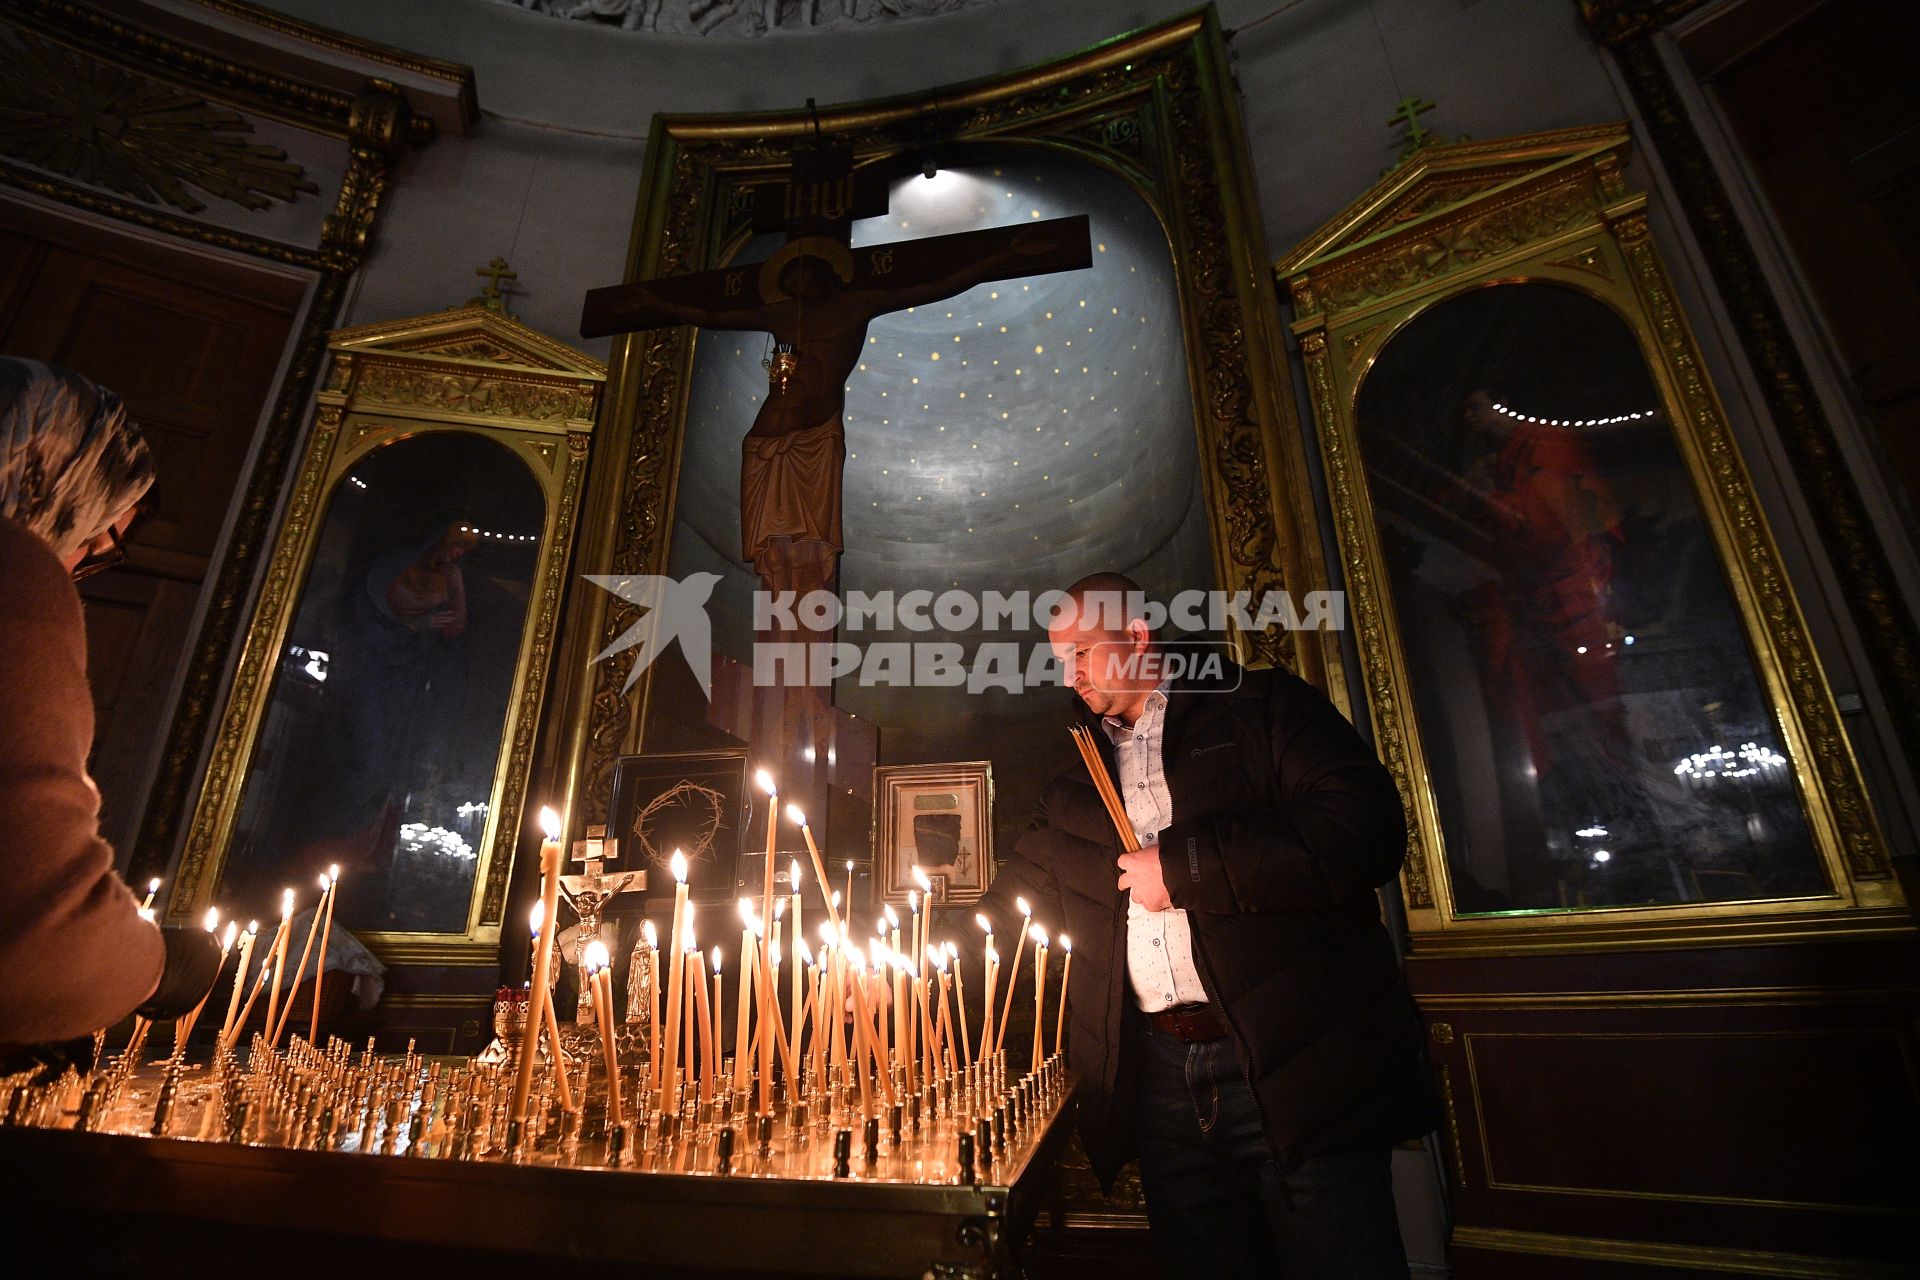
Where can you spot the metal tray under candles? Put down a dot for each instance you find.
(812, 1201)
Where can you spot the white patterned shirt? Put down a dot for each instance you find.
(1159, 943)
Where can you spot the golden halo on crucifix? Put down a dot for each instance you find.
(825, 248)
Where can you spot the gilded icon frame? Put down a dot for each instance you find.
(472, 370)
(971, 785)
(1556, 207)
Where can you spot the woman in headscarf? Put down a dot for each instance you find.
(74, 953)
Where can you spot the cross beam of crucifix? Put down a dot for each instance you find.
(816, 296)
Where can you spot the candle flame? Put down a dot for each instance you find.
(233, 931)
(596, 957)
(688, 942)
(537, 917)
(716, 962)
(746, 912)
(679, 866)
(892, 919)
(253, 926)
(286, 904)
(913, 901)
(796, 815)
(764, 780)
(153, 885)
(1025, 910)
(779, 908)
(793, 873)
(920, 878)
(836, 898)
(952, 950)
(937, 955)
(549, 822)
(325, 883)
(980, 919)
(212, 919)
(333, 872)
(1066, 943)
(993, 955)
(826, 933)
(1038, 935)
(651, 934)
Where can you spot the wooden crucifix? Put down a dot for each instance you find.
(816, 296)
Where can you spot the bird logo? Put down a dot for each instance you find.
(674, 611)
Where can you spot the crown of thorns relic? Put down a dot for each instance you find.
(686, 816)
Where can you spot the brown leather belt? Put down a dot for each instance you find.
(1192, 1023)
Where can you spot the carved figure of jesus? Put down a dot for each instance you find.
(815, 305)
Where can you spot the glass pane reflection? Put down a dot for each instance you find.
(378, 746)
(1592, 719)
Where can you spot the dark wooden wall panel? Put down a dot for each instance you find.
(1727, 1101)
(191, 341)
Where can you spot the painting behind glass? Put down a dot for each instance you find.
(380, 740)
(1572, 644)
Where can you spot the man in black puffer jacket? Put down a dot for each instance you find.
(1238, 1018)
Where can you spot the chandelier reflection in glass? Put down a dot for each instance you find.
(1717, 762)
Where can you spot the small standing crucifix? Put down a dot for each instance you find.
(491, 295)
(816, 296)
(1408, 112)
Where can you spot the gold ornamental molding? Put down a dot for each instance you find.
(459, 77)
(387, 382)
(115, 129)
(1155, 108)
(320, 108)
(1555, 207)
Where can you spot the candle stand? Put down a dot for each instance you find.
(400, 1158)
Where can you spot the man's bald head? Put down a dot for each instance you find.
(1101, 641)
(1109, 601)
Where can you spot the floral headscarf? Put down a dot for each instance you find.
(70, 461)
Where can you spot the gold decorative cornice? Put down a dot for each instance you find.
(152, 219)
(114, 39)
(471, 332)
(452, 73)
(1444, 177)
(1616, 22)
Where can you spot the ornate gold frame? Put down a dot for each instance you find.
(1158, 109)
(1556, 207)
(472, 370)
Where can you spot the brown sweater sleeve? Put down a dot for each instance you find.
(74, 953)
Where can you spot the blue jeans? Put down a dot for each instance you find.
(1221, 1205)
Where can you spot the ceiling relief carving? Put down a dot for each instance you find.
(739, 18)
(99, 124)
